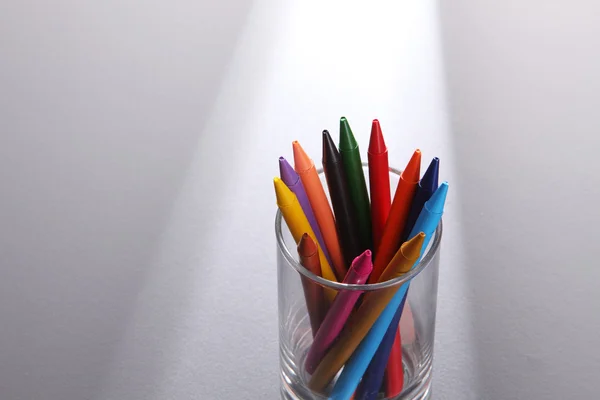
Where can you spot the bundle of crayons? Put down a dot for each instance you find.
(363, 240)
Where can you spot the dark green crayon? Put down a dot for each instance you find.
(356, 183)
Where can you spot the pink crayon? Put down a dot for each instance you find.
(339, 311)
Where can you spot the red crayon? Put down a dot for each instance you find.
(379, 182)
(394, 374)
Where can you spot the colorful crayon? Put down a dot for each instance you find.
(305, 167)
(298, 225)
(362, 320)
(391, 238)
(291, 178)
(356, 183)
(427, 222)
(341, 201)
(394, 376)
(379, 182)
(339, 311)
(316, 304)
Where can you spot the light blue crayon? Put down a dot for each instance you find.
(430, 215)
(354, 369)
(358, 363)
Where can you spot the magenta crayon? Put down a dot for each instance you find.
(339, 311)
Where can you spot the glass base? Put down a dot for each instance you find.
(293, 388)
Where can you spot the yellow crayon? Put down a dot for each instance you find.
(298, 224)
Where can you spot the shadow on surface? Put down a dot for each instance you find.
(101, 112)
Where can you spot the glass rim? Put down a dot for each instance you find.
(416, 270)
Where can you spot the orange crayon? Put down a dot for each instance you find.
(392, 233)
(305, 167)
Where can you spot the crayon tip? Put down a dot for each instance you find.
(376, 142)
(331, 155)
(307, 247)
(287, 173)
(347, 140)
(436, 203)
(411, 249)
(363, 263)
(284, 195)
(413, 168)
(302, 161)
(430, 177)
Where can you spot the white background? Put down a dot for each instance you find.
(138, 141)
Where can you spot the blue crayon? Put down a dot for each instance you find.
(430, 215)
(354, 369)
(425, 188)
(358, 363)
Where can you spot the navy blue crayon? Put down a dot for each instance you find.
(425, 188)
(373, 377)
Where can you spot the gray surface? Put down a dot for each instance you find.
(133, 267)
(524, 92)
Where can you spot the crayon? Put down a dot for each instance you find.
(425, 188)
(394, 377)
(298, 225)
(390, 240)
(363, 354)
(359, 361)
(293, 181)
(341, 201)
(427, 222)
(313, 293)
(362, 320)
(356, 183)
(339, 311)
(431, 215)
(305, 167)
(394, 368)
(369, 386)
(379, 182)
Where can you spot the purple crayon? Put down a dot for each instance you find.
(292, 181)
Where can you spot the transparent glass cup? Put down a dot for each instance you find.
(417, 323)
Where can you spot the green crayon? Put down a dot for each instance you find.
(356, 183)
